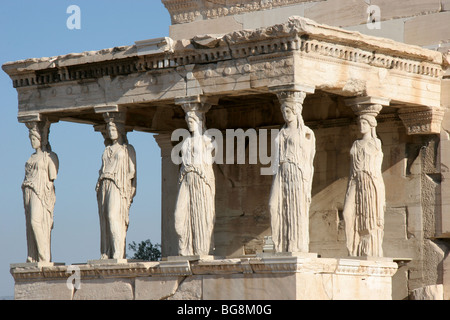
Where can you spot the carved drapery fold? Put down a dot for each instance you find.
(38, 188)
(364, 204)
(116, 185)
(195, 206)
(290, 195)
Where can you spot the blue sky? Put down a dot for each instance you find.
(34, 29)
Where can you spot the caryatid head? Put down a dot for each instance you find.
(292, 106)
(195, 121)
(367, 118)
(115, 131)
(38, 132)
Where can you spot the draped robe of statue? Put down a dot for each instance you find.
(39, 201)
(365, 199)
(290, 196)
(195, 206)
(116, 188)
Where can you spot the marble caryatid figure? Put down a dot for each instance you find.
(290, 196)
(38, 188)
(365, 198)
(116, 188)
(195, 205)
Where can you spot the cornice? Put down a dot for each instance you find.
(268, 264)
(301, 35)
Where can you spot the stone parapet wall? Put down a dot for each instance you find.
(248, 278)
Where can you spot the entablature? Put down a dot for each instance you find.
(241, 63)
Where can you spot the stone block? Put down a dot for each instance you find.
(432, 292)
(391, 29)
(400, 9)
(428, 30)
(325, 226)
(396, 188)
(188, 11)
(445, 5)
(349, 279)
(249, 287)
(395, 225)
(189, 289)
(443, 220)
(42, 290)
(355, 287)
(338, 13)
(400, 284)
(105, 289)
(322, 282)
(445, 92)
(215, 26)
(446, 277)
(434, 253)
(414, 222)
(156, 288)
(265, 18)
(331, 196)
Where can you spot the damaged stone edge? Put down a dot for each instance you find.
(273, 264)
(168, 53)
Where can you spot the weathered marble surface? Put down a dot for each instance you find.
(290, 196)
(39, 197)
(269, 277)
(297, 51)
(365, 200)
(116, 188)
(195, 206)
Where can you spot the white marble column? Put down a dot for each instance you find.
(38, 188)
(195, 204)
(290, 196)
(364, 205)
(116, 185)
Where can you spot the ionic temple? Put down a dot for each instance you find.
(347, 196)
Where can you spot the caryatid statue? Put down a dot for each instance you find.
(290, 196)
(195, 205)
(365, 198)
(116, 188)
(38, 188)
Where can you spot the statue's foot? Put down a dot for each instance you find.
(104, 256)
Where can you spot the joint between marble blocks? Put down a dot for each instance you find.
(198, 103)
(367, 100)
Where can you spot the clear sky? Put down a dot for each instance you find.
(34, 29)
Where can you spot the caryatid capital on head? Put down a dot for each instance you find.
(367, 105)
(39, 127)
(198, 104)
(292, 93)
(367, 108)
